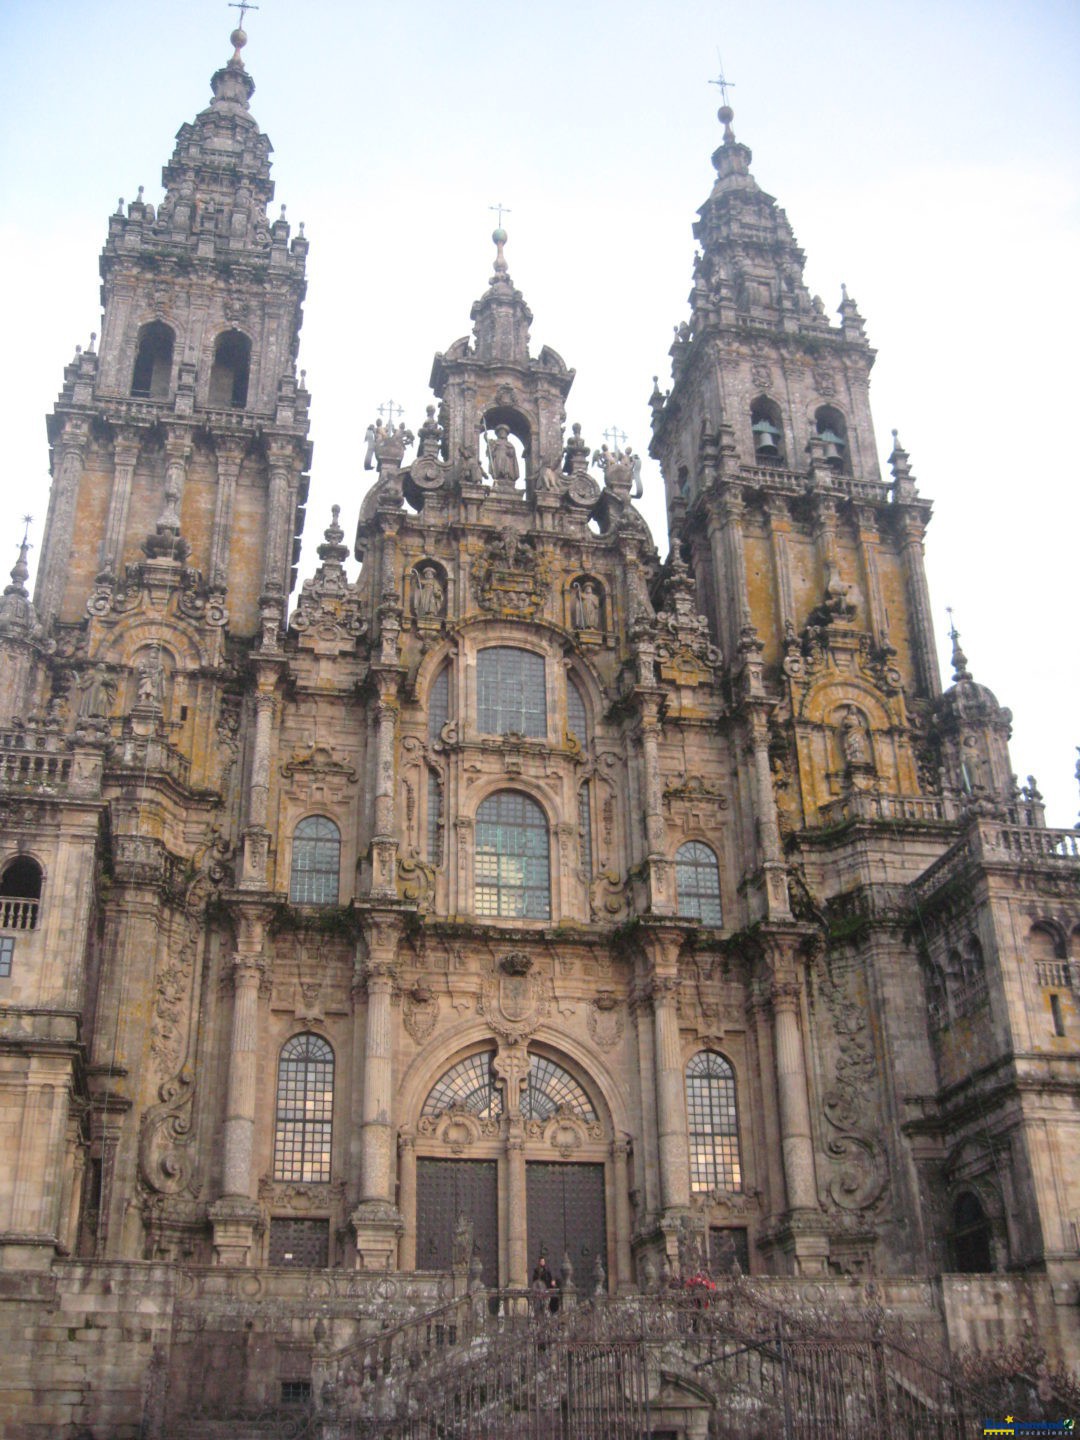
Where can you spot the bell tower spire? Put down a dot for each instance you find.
(181, 444)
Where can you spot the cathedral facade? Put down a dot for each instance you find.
(527, 895)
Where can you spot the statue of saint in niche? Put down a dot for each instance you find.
(502, 458)
(428, 594)
(585, 608)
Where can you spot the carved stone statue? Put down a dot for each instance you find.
(585, 610)
(576, 457)
(97, 692)
(427, 594)
(470, 471)
(549, 481)
(149, 684)
(502, 458)
(853, 740)
(463, 1242)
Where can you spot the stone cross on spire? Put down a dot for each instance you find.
(502, 210)
(724, 85)
(243, 6)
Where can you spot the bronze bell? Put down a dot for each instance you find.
(834, 447)
(765, 437)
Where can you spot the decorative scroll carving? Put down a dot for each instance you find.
(457, 1128)
(564, 1131)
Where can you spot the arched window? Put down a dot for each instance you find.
(576, 714)
(713, 1123)
(305, 1108)
(832, 430)
(316, 859)
(230, 371)
(697, 883)
(151, 379)
(766, 426)
(20, 892)
(438, 704)
(513, 875)
(511, 693)
(970, 1238)
(471, 1084)
(551, 1087)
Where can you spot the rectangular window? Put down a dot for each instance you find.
(7, 952)
(585, 832)
(1055, 1011)
(434, 819)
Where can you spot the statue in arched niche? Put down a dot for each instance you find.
(502, 458)
(854, 741)
(585, 607)
(428, 595)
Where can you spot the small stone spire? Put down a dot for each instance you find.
(501, 319)
(959, 659)
(16, 611)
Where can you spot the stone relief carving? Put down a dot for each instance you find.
(860, 1164)
(606, 1020)
(564, 1131)
(509, 577)
(514, 998)
(420, 1011)
(457, 1128)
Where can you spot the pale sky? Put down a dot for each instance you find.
(926, 154)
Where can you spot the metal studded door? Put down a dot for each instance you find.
(566, 1213)
(446, 1189)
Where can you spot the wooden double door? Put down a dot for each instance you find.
(565, 1215)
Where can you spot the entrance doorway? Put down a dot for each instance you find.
(446, 1189)
(566, 1214)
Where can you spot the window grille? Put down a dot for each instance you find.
(697, 883)
(305, 1105)
(438, 704)
(513, 877)
(551, 1086)
(434, 819)
(316, 859)
(471, 1083)
(585, 832)
(511, 692)
(713, 1123)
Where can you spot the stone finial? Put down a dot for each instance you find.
(959, 659)
(16, 611)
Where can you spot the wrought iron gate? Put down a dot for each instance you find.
(446, 1189)
(566, 1213)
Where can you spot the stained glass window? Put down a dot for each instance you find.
(510, 692)
(316, 859)
(513, 878)
(471, 1083)
(697, 883)
(713, 1123)
(439, 703)
(576, 715)
(305, 1105)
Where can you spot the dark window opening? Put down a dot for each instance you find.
(971, 1236)
(20, 892)
(152, 375)
(1056, 1013)
(231, 369)
(295, 1392)
(729, 1247)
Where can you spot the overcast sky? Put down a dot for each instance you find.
(926, 154)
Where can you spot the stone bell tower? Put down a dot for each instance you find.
(180, 445)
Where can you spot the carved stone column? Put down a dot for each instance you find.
(773, 868)
(796, 1142)
(661, 887)
(407, 1198)
(125, 455)
(256, 833)
(912, 531)
(228, 470)
(236, 1215)
(376, 1220)
(670, 1096)
(69, 461)
(384, 841)
(620, 1178)
(278, 552)
(517, 1259)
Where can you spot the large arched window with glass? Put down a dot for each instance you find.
(316, 861)
(713, 1123)
(512, 866)
(305, 1107)
(511, 692)
(471, 1085)
(697, 883)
